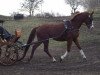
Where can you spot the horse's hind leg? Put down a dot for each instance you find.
(46, 43)
(33, 49)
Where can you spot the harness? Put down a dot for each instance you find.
(68, 25)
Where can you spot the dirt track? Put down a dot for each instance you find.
(72, 65)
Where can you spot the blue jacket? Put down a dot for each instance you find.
(4, 34)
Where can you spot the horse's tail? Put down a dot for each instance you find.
(31, 38)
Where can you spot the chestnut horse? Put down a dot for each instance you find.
(47, 31)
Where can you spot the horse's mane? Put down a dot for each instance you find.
(74, 18)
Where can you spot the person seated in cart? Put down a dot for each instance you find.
(5, 35)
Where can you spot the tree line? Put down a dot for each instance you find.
(31, 5)
(87, 4)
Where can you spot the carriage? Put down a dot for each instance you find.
(10, 50)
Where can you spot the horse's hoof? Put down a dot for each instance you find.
(54, 61)
(60, 60)
(84, 60)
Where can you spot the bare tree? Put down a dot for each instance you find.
(31, 5)
(73, 4)
(91, 4)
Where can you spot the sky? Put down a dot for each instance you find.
(53, 6)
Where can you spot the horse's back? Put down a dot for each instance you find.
(49, 30)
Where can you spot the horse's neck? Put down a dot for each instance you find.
(76, 24)
(78, 20)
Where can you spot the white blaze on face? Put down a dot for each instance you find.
(92, 26)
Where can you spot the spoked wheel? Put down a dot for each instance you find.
(19, 49)
(11, 54)
(8, 56)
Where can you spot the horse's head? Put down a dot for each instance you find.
(89, 20)
(84, 17)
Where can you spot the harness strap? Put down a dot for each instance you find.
(65, 25)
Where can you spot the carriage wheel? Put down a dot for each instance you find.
(11, 54)
(19, 49)
(8, 55)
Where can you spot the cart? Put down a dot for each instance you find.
(11, 51)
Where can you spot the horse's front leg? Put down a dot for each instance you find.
(79, 47)
(69, 44)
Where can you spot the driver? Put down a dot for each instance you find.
(4, 34)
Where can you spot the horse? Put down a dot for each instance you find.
(46, 31)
